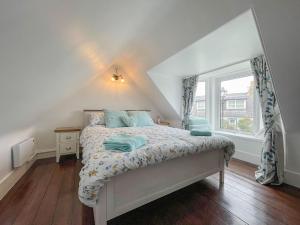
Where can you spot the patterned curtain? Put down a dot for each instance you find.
(189, 90)
(271, 169)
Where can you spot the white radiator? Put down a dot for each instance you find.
(22, 152)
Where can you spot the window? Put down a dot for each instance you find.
(199, 106)
(237, 109)
(240, 104)
(227, 98)
(235, 104)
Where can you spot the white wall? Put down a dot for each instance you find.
(280, 33)
(53, 60)
(246, 149)
(281, 36)
(100, 93)
(233, 42)
(50, 49)
(171, 88)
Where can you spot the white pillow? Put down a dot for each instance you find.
(96, 118)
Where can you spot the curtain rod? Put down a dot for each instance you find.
(221, 67)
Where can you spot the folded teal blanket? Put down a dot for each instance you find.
(198, 132)
(124, 142)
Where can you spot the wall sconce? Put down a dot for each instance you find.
(116, 75)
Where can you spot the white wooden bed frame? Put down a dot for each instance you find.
(138, 187)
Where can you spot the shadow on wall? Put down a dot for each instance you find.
(142, 82)
(101, 92)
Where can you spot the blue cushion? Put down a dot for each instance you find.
(142, 118)
(199, 123)
(196, 132)
(200, 127)
(113, 118)
(193, 120)
(129, 121)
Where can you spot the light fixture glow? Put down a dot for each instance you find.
(117, 76)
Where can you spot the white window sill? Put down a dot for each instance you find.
(243, 136)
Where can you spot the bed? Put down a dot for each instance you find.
(114, 183)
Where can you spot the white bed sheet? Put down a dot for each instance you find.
(164, 143)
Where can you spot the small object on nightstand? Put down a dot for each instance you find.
(164, 123)
(158, 120)
(67, 141)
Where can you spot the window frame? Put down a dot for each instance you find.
(217, 116)
(201, 107)
(212, 90)
(207, 112)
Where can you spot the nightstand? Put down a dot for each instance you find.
(67, 141)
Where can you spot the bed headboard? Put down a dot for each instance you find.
(86, 114)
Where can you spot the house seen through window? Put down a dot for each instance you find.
(228, 100)
(237, 104)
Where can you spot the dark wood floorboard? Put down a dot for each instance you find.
(47, 195)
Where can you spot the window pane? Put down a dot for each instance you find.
(230, 104)
(199, 107)
(240, 104)
(236, 104)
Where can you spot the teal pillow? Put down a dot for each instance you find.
(196, 132)
(113, 118)
(199, 123)
(129, 121)
(142, 118)
(197, 120)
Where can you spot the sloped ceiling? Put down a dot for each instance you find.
(235, 41)
(51, 48)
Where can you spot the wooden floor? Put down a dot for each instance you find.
(47, 194)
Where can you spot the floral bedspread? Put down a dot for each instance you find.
(164, 143)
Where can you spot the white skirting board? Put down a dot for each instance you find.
(12, 178)
(7, 182)
(247, 157)
(292, 178)
(44, 154)
(247, 148)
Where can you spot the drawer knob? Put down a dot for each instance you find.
(68, 137)
(68, 148)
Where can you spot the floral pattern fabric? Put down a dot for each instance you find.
(189, 90)
(271, 169)
(164, 143)
(96, 118)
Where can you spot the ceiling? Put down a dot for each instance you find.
(235, 41)
(50, 49)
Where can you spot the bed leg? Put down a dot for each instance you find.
(100, 210)
(102, 222)
(221, 179)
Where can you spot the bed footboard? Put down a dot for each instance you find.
(138, 187)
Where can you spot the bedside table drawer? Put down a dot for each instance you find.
(67, 141)
(67, 148)
(67, 137)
